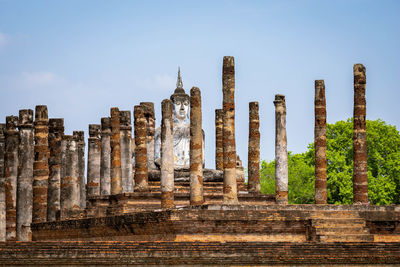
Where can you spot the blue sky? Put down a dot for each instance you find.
(82, 57)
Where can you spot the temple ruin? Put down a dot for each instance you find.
(147, 189)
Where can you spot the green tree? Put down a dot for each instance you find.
(383, 143)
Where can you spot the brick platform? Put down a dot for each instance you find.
(211, 253)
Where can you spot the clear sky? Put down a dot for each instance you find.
(82, 57)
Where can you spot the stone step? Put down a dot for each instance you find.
(344, 214)
(335, 223)
(347, 238)
(342, 231)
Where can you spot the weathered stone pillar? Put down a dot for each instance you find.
(167, 156)
(141, 171)
(229, 143)
(105, 164)
(126, 151)
(56, 132)
(2, 184)
(254, 149)
(94, 159)
(360, 156)
(70, 195)
(281, 155)
(10, 174)
(79, 137)
(219, 150)
(25, 175)
(116, 174)
(41, 165)
(320, 143)
(148, 109)
(196, 148)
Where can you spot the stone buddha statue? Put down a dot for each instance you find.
(181, 128)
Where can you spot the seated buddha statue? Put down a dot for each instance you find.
(181, 129)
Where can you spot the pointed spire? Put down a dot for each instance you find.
(179, 83)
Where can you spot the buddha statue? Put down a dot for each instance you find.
(181, 129)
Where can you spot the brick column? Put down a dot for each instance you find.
(94, 157)
(320, 143)
(126, 150)
(2, 184)
(141, 172)
(25, 175)
(70, 195)
(360, 157)
(10, 174)
(254, 149)
(105, 163)
(219, 151)
(196, 148)
(41, 165)
(281, 155)
(56, 132)
(167, 156)
(148, 109)
(229, 143)
(116, 174)
(79, 137)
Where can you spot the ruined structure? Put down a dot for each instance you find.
(320, 143)
(41, 164)
(116, 172)
(79, 137)
(25, 175)
(228, 139)
(360, 171)
(196, 148)
(281, 156)
(167, 156)
(56, 133)
(170, 213)
(105, 157)
(141, 175)
(94, 152)
(254, 149)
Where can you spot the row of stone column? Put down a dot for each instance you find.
(360, 156)
(30, 172)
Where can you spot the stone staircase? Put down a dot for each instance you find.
(340, 226)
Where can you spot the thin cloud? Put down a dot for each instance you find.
(3, 40)
(42, 78)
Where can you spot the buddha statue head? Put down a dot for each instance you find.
(180, 101)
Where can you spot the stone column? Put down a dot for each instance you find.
(254, 149)
(281, 155)
(25, 175)
(56, 132)
(116, 174)
(148, 109)
(196, 148)
(2, 184)
(10, 174)
(41, 165)
(360, 156)
(320, 143)
(167, 156)
(141, 172)
(229, 143)
(219, 150)
(105, 163)
(79, 137)
(126, 151)
(70, 195)
(93, 167)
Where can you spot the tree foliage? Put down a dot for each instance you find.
(383, 144)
